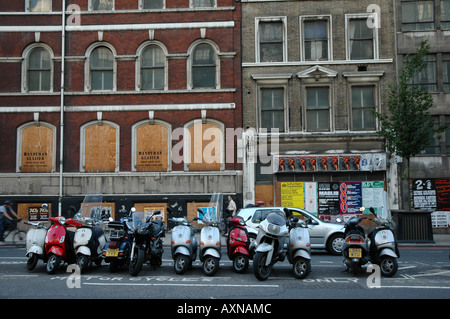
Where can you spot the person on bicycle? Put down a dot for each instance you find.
(7, 217)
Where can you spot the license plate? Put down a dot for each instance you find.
(110, 252)
(354, 253)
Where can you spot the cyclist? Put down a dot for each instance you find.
(6, 220)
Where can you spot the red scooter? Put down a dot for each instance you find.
(59, 242)
(238, 243)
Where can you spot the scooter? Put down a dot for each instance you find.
(382, 246)
(210, 244)
(299, 249)
(355, 249)
(59, 242)
(238, 243)
(117, 251)
(90, 238)
(36, 244)
(183, 244)
(148, 238)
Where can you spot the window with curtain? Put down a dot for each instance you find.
(426, 78)
(102, 4)
(204, 66)
(203, 3)
(361, 40)
(446, 71)
(272, 109)
(40, 5)
(271, 41)
(102, 69)
(152, 68)
(152, 4)
(317, 108)
(315, 39)
(445, 14)
(417, 15)
(39, 70)
(363, 106)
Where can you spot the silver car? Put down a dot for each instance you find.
(323, 235)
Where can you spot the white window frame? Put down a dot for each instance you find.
(87, 67)
(258, 20)
(376, 107)
(141, 5)
(330, 87)
(329, 19)
(190, 80)
(26, 57)
(28, 6)
(375, 41)
(91, 7)
(140, 50)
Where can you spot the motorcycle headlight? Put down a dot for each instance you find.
(274, 229)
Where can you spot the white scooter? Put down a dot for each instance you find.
(275, 240)
(36, 244)
(183, 244)
(210, 241)
(90, 238)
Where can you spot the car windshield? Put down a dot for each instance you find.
(276, 218)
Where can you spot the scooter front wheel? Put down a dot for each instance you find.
(260, 269)
(210, 266)
(82, 262)
(32, 261)
(240, 263)
(181, 264)
(53, 263)
(388, 266)
(301, 267)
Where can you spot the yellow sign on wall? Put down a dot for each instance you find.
(293, 194)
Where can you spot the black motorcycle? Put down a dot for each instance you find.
(147, 244)
(117, 251)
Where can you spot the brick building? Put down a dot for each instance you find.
(315, 70)
(138, 100)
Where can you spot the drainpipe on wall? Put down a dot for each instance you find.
(61, 125)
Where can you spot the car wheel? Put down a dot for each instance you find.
(335, 242)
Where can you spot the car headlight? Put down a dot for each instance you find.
(274, 229)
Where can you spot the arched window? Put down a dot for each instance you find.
(38, 69)
(204, 145)
(36, 151)
(151, 146)
(100, 68)
(153, 66)
(99, 147)
(204, 66)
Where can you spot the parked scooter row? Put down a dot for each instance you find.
(138, 238)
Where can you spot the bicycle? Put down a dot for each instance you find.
(19, 236)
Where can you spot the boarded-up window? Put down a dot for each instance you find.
(152, 148)
(37, 149)
(205, 147)
(100, 148)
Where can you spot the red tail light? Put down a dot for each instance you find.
(354, 239)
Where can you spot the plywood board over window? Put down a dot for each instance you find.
(152, 148)
(37, 149)
(205, 147)
(100, 148)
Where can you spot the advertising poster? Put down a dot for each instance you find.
(424, 194)
(293, 194)
(372, 194)
(311, 197)
(328, 198)
(350, 196)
